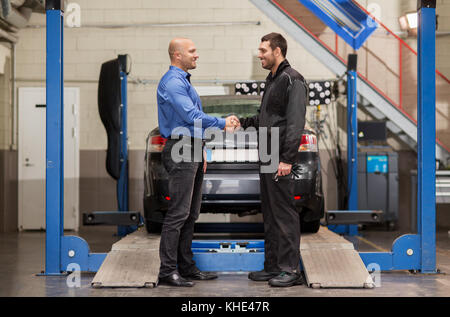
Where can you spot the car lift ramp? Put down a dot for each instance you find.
(409, 251)
(330, 261)
(132, 262)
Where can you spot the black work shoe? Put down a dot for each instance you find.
(261, 276)
(286, 279)
(199, 275)
(175, 280)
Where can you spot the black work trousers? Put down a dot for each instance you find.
(185, 189)
(281, 224)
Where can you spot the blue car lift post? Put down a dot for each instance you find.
(409, 252)
(352, 152)
(122, 184)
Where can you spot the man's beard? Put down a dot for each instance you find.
(269, 65)
(190, 65)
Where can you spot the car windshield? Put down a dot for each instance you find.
(223, 106)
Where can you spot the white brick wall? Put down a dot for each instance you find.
(443, 42)
(5, 98)
(226, 52)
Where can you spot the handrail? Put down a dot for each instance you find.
(337, 55)
(396, 36)
(335, 51)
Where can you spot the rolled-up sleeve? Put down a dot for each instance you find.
(177, 95)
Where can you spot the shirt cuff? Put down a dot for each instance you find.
(221, 123)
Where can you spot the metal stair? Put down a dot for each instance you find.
(370, 97)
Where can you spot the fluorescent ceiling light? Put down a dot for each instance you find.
(403, 23)
(412, 20)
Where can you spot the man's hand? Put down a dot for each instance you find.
(204, 161)
(284, 169)
(232, 123)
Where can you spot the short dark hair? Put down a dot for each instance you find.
(276, 40)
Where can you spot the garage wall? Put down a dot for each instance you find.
(442, 40)
(5, 101)
(226, 53)
(8, 156)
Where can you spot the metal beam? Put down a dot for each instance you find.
(426, 130)
(54, 181)
(352, 140)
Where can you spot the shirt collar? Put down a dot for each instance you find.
(182, 72)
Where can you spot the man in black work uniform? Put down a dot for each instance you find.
(283, 106)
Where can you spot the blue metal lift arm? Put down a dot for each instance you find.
(345, 18)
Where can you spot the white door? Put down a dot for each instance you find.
(32, 117)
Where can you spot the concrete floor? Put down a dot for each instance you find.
(22, 257)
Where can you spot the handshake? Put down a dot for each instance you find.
(232, 123)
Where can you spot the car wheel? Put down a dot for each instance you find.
(391, 226)
(309, 227)
(153, 227)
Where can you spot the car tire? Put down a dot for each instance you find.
(153, 227)
(309, 227)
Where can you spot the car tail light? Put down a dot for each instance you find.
(308, 143)
(157, 143)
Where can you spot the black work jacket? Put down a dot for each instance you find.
(283, 105)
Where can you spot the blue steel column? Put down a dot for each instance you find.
(122, 184)
(426, 134)
(54, 183)
(352, 147)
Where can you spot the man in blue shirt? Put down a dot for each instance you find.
(180, 115)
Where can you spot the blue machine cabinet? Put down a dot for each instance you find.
(378, 183)
(409, 252)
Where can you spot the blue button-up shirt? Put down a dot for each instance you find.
(179, 107)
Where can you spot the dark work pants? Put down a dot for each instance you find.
(185, 189)
(281, 224)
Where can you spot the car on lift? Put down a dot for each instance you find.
(231, 181)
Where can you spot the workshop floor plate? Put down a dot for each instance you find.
(132, 262)
(330, 261)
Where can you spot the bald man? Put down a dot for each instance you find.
(179, 107)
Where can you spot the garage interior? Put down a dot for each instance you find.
(227, 34)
